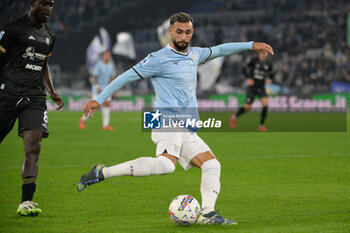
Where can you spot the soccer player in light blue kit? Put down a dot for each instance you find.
(103, 74)
(173, 72)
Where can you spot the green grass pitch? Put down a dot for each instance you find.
(270, 182)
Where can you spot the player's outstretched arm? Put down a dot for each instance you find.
(49, 87)
(263, 48)
(230, 48)
(126, 77)
(237, 47)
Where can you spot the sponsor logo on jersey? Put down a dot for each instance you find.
(31, 54)
(1, 34)
(33, 67)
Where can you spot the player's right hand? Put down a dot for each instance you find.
(263, 48)
(90, 107)
(57, 99)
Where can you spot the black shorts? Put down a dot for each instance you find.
(30, 111)
(254, 91)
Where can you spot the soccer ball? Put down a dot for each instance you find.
(184, 210)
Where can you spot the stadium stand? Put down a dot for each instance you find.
(309, 37)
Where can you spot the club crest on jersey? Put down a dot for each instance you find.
(194, 57)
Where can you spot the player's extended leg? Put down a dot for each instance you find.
(265, 104)
(7, 121)
(242, 110)
(143, 166)
(210, 188)
(250, 95)
(32, 146)
(106, 112)
(167, 155)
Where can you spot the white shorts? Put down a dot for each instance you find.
(94, 96)
(183, 145)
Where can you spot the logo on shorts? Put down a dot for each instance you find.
(176, 147)
(151, 120)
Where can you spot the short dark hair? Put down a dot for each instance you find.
(181, 17)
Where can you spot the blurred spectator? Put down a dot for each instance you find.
(309, 37)
(311, 33)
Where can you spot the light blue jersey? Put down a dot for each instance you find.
(103, 72)
(173, 74)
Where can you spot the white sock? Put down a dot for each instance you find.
(85, 117)
(105, 116)
(143, 166)
(210, 185)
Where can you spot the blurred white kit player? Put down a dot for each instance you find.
(103, 73)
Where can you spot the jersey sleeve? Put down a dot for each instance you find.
(7, 37)
(116, 84)
(204, 54)
(148, 67)
(230, 48)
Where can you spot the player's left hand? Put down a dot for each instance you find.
(263, 48)
(58, 100)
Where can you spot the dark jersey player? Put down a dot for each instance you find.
(258, 72)
(25, 46)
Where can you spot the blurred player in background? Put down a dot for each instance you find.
(258, 72)
(103, 73)
(25, 47)
(173, 72)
